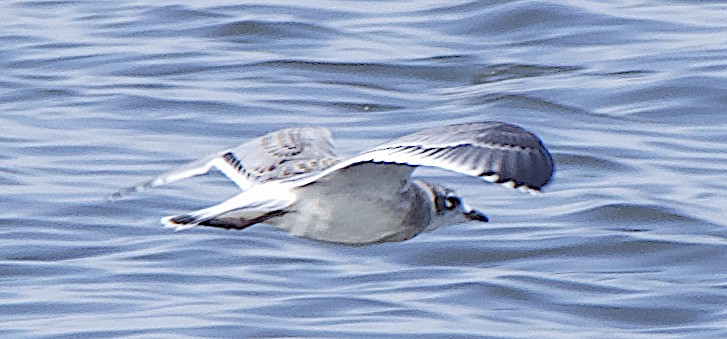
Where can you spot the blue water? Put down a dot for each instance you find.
(630, 240)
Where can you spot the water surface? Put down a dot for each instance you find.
(630, 240)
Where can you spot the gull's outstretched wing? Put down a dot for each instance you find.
(287, 153)
(495, 151)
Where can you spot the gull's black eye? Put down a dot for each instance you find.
(451, 203)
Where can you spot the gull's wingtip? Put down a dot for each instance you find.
(123, 193)
(118, 195)
(495, 179)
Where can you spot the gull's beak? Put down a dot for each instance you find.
(476, 215)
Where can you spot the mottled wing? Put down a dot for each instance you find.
(495, 151)
(285, 154)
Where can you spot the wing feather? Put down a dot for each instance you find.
(495, 151)
(287, 153)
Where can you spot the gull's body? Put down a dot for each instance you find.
(294, 180)
(329, 209)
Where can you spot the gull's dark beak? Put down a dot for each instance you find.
(476, 215)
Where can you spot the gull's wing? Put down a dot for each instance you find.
(495, 151)
(287, 153)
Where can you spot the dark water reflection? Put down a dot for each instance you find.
(629, 241)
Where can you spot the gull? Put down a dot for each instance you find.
(294, 180)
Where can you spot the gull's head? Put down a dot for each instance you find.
(449, 208)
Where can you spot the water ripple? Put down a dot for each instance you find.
(628, 241)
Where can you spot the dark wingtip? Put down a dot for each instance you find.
(130, 190)
(113, 197)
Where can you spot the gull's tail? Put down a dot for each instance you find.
(247, 208)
